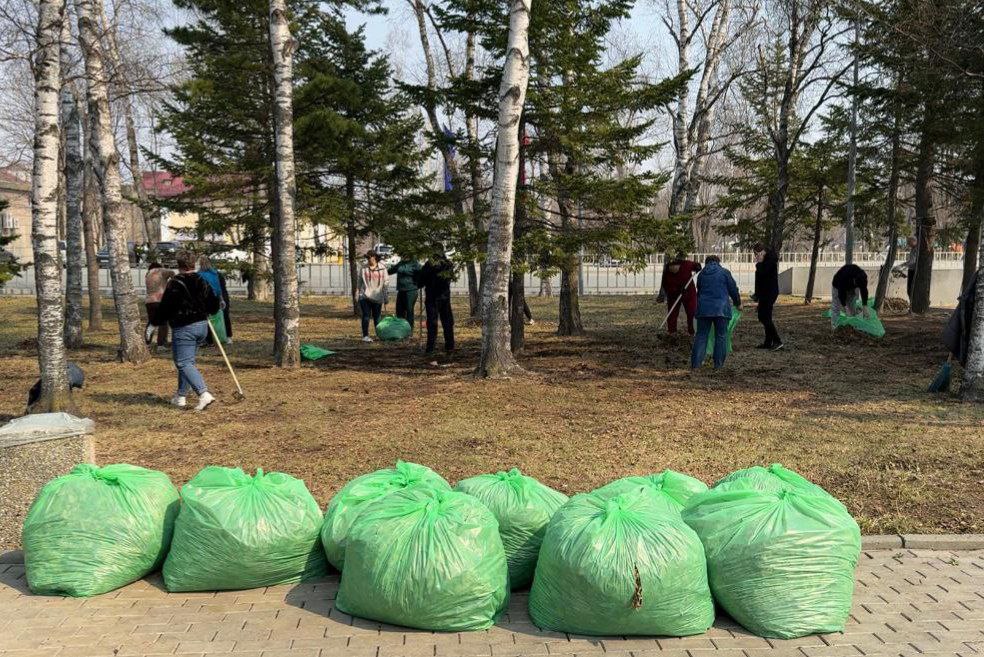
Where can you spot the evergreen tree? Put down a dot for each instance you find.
(9, 266)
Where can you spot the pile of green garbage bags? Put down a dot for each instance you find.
(390, 329)
(642, 555)
(869, 324)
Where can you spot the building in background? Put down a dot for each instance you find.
(15, 219)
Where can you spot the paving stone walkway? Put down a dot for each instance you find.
(907, 602)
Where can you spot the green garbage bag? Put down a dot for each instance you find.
(621, 565)
(781, 551)
(671, 488)
(314, 352)
(426, 558)
(732, 325)
(235, 531)
(218, 323)
(348, 503)
(97, 529)
(523, 507)
(393, 328)
(871, 324)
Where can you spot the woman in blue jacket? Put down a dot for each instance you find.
(716, 290)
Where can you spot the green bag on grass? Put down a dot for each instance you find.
(348, 503)
(97, 529)
(732, 325)
(314, 352)
(523, 507)
(392, 328)
(622, 565)
(871, 325)
(235, 531)
(781, 551)
(671, 488)
(425, 558)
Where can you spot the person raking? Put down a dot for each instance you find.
(716, 290)
(677, 289)
(186, 305)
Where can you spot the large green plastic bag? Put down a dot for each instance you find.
(97, 529)
(314, 352)
(241, 532)
(523, 507)
(349, 502)
(669, 487)
(393, 328)
(621, 565)
(426, 558)
(871, 325)
(732, 325)
(781, 551)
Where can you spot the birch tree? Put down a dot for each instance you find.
(55, 392)
(287, 347)
(91, 222)
(105, 160)
(72, 128)
(497, 357)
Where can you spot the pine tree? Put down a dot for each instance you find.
(9, 266)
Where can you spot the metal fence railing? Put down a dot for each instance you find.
(596, 278)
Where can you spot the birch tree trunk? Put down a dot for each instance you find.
(73, 226)
(497, 358)
(55, 392)
(972, 385)
(852, 159)
(91, 220)
(125, 93)
(287, 350)
(105, 160)
(681, 132)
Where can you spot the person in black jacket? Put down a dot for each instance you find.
(186, 305)
(849, 282)
(766, 293)
(435, 277)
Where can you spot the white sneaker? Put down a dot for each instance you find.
(366, 338)
(179, 400)
(228, 341)
(149, 333)
(204, 400)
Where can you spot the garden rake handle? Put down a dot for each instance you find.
(678, 300)
(218, 343)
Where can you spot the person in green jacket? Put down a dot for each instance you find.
(406, 287)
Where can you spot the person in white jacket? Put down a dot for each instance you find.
(373, 289)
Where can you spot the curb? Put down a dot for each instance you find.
(923, 542)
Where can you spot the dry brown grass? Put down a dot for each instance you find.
(849, 412)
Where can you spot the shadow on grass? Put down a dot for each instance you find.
(130, 398)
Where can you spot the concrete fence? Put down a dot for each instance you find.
(608, 278)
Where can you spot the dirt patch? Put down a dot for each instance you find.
(846, 410)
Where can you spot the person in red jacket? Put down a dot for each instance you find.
(677, 282)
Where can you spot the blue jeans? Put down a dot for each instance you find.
(369, 308)
(704, 325)
(184, 345)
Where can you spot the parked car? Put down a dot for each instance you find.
(387, 255)
(102, 256)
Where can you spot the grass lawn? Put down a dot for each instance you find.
(850, 413)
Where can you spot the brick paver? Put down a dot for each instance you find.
(916, 603)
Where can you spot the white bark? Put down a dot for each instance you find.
(73, 226)
(91, 222)
(496, 358)
(287, 348)
(124, 92)
(55, 393)
(105, 160)
(852, 159)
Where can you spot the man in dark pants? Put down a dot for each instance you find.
(435, 277)
(406, 287)
(766, 294)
